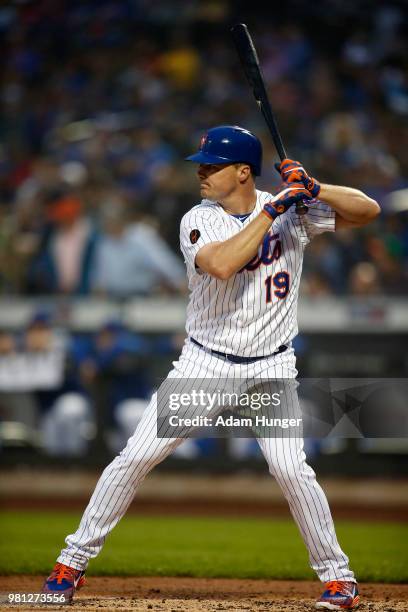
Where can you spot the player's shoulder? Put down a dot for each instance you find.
(205, 210)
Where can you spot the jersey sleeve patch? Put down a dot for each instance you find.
(199, 226)
(194, 235)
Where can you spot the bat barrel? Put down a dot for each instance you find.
(250, 63)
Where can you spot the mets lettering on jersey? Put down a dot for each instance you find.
(255, 311)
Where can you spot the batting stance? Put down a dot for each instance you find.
(243, 249)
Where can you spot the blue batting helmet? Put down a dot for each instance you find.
(228, 144)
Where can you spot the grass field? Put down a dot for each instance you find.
(202, 547)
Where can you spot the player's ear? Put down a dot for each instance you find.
(244, 172)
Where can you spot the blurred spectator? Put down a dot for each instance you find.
(110, 367)
(68, 427)
(132, 258)
(64, 256)
(7, 343)
(31, 364)
(35, 359)
(386, 264)
(181, 65)
(364, 280)
(314, 284)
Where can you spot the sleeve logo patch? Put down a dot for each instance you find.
(194, 236)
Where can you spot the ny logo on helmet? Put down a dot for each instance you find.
(203, 140)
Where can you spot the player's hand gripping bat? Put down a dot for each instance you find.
(250, 63)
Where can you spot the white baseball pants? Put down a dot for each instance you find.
(121, 479)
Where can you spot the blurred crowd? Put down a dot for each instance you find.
(51, 382)
(102, 99)
(74, 395)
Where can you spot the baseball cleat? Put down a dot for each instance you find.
(64, 580)
(339, 595)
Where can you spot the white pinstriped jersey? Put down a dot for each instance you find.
(255, 311)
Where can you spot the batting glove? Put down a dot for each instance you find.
(293, 172)
(284, 199)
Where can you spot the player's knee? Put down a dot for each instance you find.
(142, 458)
(284, 473)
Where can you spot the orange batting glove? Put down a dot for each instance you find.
(284, 199)
(293, 172)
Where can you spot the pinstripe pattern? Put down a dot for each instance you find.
(286, 459)
(233, 317)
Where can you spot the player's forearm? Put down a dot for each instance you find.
(223, 259)
(351, 204)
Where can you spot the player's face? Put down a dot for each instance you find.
(218, 181)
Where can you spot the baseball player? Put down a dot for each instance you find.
(243, 250)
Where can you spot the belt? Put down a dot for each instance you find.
(237, 358)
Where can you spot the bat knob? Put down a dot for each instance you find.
(301, 208)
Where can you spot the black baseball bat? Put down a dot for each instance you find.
(250, 63)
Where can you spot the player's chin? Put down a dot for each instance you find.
(205, 191)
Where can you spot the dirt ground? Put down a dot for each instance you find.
(202, 594)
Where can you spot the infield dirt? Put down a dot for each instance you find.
(203, 595)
